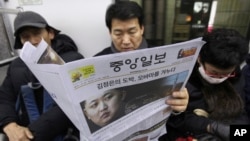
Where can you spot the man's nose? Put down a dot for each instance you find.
(35, 40)
(103, 106)
(126, 39)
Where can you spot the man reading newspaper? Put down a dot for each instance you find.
(124, 19)
(128, 91)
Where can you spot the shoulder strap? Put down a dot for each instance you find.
(48, 101)
(28, 95)
(30, 103)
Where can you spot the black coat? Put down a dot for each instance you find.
(49, 124)
(246, 72)
(105, 51)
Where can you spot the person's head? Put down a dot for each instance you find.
(223, 52)
(124, 20)
(103, 109)
(32, 27)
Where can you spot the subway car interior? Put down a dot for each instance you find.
(166, 21)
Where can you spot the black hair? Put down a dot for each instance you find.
(124, 10)
(224, 48)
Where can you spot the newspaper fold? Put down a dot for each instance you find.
(119, 96)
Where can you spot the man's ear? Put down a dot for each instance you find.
(142, 29)
(198, 59)
(51, 34)
(124, 93)
(86, 114)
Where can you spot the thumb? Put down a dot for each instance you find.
(29, 134)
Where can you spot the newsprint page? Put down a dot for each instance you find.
(117, 97)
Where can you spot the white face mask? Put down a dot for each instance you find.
(210, 79)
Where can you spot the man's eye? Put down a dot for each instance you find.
(118, 34)
(132, 33)
(25, 37)
(37, 32)
(108, 97)
(93, 105)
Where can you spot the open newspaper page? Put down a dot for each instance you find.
(119, 97)
(43, 54)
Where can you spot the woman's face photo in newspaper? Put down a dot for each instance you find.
(101, 110)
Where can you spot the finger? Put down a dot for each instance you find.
(178, 108)
(183, 94)
(176, 102)
(28, 133)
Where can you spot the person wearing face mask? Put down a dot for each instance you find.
(215, 87)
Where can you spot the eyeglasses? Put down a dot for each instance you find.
(232, 74)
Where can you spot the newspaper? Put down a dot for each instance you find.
(117, 97)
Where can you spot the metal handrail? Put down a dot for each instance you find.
(6, 22)
(10, 11)
(7, 61)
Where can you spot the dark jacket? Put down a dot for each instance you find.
(105, 51)
(246, 72)
(54, 121)
(189, 124)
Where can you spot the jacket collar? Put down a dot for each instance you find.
(143, 45)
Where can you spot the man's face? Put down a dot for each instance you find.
(126, 35)
(34, 35)
(102, 109)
